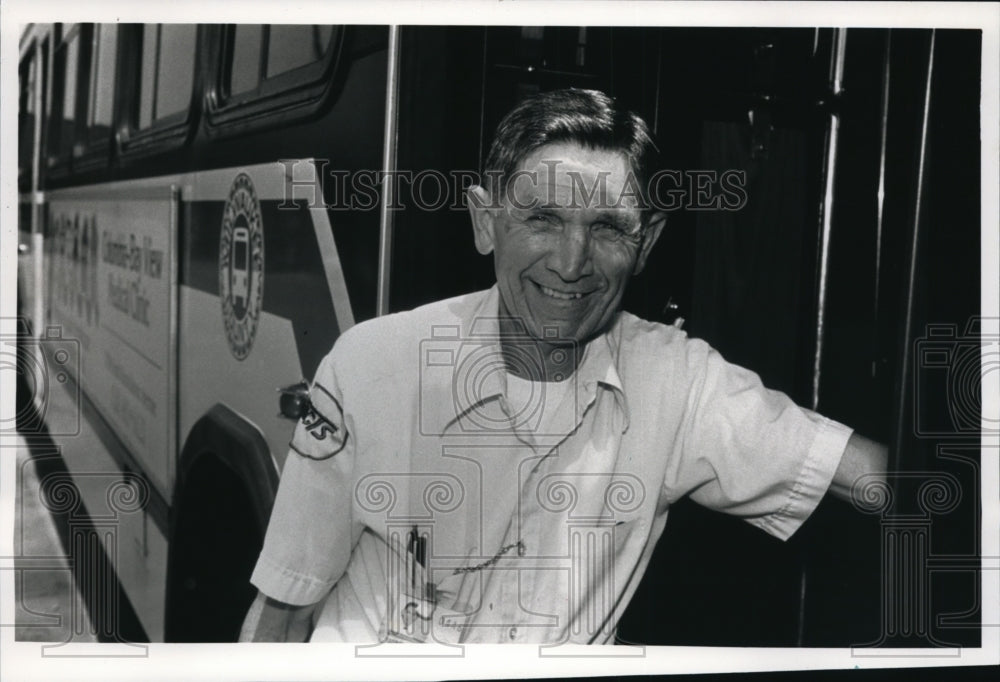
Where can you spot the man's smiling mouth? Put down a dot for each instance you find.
(561, 295)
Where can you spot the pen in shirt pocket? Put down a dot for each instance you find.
(416, 550)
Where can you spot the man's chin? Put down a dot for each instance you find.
(557, 335)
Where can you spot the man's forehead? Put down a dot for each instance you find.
(562, 159)
(573, 176)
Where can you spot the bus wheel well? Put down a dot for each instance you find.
(222, 501)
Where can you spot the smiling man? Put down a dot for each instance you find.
(498, 467)
(567, 237)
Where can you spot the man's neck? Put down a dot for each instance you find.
(536, 360)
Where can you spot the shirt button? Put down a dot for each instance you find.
(512, 633)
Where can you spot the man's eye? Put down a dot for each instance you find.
(539, 219)
(608, 231)
(614, 232)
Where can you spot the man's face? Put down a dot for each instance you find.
(566, 237)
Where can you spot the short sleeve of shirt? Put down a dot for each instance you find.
(750, 451)
(309, 537)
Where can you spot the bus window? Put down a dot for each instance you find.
(245, 74)
(290, 47)
(102, 79)
(269, 75)
(259, 53)
(522, 61)
(72, 52)
(26, 121)
(63, 120)
(561, 48)
(167, 71)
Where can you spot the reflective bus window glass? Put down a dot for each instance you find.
(47, 103)
(167, 74)
(103, 79)
(530, 47)
(69, 95)
(581, 47)
(175, 72)
(147, 82)
(245, 74)
(28, 85)
(290, 47)
(26, 123)
(568, 48)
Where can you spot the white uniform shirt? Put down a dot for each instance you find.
(537, 521)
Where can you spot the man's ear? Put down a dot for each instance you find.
(649, 236)
(482, 218)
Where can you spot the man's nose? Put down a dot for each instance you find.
(571, 257)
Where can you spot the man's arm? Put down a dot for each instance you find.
(270, 620)
(861, 456)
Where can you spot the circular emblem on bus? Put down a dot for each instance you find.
(241, 266)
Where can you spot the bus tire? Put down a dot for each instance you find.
(226, 481)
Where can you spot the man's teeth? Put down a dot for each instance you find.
(558, 294)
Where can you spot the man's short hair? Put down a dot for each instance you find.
(589, 118)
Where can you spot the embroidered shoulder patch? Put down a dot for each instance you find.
(323, 432)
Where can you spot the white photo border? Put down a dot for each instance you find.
(24, 660)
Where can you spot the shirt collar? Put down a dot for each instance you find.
(479, 375)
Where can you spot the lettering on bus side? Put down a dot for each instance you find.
(78, 243)
(134, 259)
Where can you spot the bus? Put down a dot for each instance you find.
(204, 209)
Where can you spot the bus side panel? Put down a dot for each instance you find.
(132, 539)
(254, 317)
(112, 274)
(111, 277)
